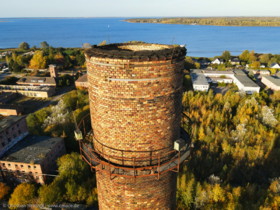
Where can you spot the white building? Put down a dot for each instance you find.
(217, 61)
(245, 84)
(271, 82)
(274, 66)
(235, 61)
(199, 82)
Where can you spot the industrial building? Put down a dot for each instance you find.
(37, 81)
(82, 82)
(271, 82)
(32, 159)
(135, 93)
(12, 130)
(245, 84)
(8, 109)
(31, 91)
(199, 82)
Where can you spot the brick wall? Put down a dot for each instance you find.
(12, 135)
(135, 113)
(146, 193)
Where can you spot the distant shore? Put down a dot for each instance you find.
(213, 21)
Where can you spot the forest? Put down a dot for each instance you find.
(235, 160)
(215, 21)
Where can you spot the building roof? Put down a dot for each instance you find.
(82, 78)
(239, 72)
(42, 80)
(273, 64)
(196, 71)
(8, 121)
(235, 59)
(3, 95)
(246, 81)
(11, 106)
(31, 149)
(218, 72)
(199, 79)
(273, 80)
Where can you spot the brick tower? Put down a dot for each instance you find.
(53, 71)
(135, 93)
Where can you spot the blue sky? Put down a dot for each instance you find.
(138, 8)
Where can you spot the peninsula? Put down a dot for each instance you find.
(215, 21)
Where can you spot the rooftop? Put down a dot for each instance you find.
(246, 81)
(43, 80)
(8, 121)
(272, 79)
(82, 78)
(3, 95)
(25, 88)
(239, 72)
(136, 51)
(31, 148)
(218, 72)
(196, 71)
(198, 79)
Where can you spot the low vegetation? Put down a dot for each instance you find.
(217, 21)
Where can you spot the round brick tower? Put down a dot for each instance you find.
(135, 93)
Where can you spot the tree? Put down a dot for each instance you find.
(256, 64)
(24, 46)
(4, 190)
(264, 58)
(197, 65)
(86, 45)
(226, 56)
(68, 82)
(44, 45)
(23, 195)
(244, 56)
(50, 194)
(38, 61)
(252, 57)
(16, 67)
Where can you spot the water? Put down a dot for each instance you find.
(201, 41)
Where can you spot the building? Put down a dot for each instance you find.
(277, 74)
(261, 72)
(217, 61)
(82, 82)
(37, 81)
(5, 97)
(262, 66)
(199, 82)
(234, 61)
(274, 66)
(30, 91)
(53, 71)
(203, 63)
(7, 110)
(245, 84)
(32, 159)
(271, 82)
(135, 117)
(219, 76)
(12, 130)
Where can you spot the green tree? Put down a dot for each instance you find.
(16, 67)
(23, 195)
(256, 64)
(51, 194)
(264, 58)
(68, 82)
(244, 56)
(24, 46)
(226, 55)
(44, 45)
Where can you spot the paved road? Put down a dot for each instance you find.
(222, 90)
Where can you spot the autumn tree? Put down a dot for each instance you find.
(102, 43)
(4, 190)
(244, 56)
(22, 195)
(264, 58)
(226, 56)
(23, 46)
(38, 61)
(256, 64)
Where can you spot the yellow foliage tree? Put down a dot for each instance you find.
(23, 195)
(4, 190)
(38, 61)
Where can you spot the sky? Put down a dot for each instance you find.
(138, 8)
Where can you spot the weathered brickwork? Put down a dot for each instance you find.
(146, 193)
(135, 113)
